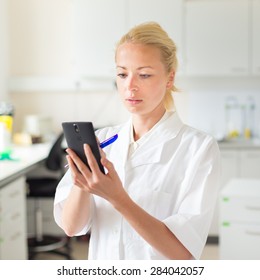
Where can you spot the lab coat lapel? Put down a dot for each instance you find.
(123, 142)
(151, 151)
(120, 149)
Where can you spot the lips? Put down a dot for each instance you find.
(134, 101)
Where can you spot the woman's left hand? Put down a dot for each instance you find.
(107, 185)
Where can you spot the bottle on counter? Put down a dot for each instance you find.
(6, 124)
(249, 128)
(233, 118)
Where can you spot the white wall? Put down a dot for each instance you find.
(40, 45)
(207, 99)
(3, 50)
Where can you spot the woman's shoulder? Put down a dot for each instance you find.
(198, 136)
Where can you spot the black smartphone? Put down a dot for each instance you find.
(79, 133)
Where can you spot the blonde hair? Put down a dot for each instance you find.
(151, 33)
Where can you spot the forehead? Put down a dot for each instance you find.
(142, 53)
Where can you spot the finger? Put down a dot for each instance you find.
(78, 165)
(77, 161)
(75, 174)
(93, 165)
(102, 153)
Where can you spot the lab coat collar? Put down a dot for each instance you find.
(151, 150)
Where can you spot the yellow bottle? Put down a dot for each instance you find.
(6, 124)
(247, 133)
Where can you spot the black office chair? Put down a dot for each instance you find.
(45, 187)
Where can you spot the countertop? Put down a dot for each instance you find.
(24, 160)
(240, 144)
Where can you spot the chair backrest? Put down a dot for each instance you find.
(54, 160)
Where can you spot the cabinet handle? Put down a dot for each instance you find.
(257, 233)
(253, 208)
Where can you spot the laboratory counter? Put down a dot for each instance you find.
(23, 159)
(13, 218)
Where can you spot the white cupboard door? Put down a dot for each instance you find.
(256, 37)
(168, 13)
(230, 169)
(13, 237)
(216, 37)
(97, 25)
(239, 241)
(229, 165)
(250, 164)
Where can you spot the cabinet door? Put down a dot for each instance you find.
(168, 13)
(256, 37)
(98, 25)
(250, 164)
(13, 237)
(216, 37)
(240, 241)
(230, 169)
(229, 166)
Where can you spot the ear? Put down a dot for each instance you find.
(170, 80)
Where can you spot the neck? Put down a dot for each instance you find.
(143, 123)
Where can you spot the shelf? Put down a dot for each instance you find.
(36, 83)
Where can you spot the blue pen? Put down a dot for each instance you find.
(108, 141)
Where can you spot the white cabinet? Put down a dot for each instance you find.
(170, 18)
(249, 164)
(236, 163)
(230, 169)
(216, 37)
(13, 234)
(97, 26)
(240, 220)
(256, 37)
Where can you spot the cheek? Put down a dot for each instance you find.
(120, 88)
(158, 90)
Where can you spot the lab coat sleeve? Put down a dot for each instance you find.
(62, 192)
(192, 222)
(64, 188)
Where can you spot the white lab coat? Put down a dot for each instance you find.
(174, 176)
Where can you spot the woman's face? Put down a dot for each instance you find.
(142, 79)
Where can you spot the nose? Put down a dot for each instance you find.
(132, 84)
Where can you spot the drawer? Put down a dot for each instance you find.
(240, 209)
(14, 246)
(12, 221)
(12, 195)
(239, 242)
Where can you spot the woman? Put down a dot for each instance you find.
(157, 198)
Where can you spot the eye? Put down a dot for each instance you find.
(145, 76)
(121, 75)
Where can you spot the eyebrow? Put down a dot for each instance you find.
(139, 68)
